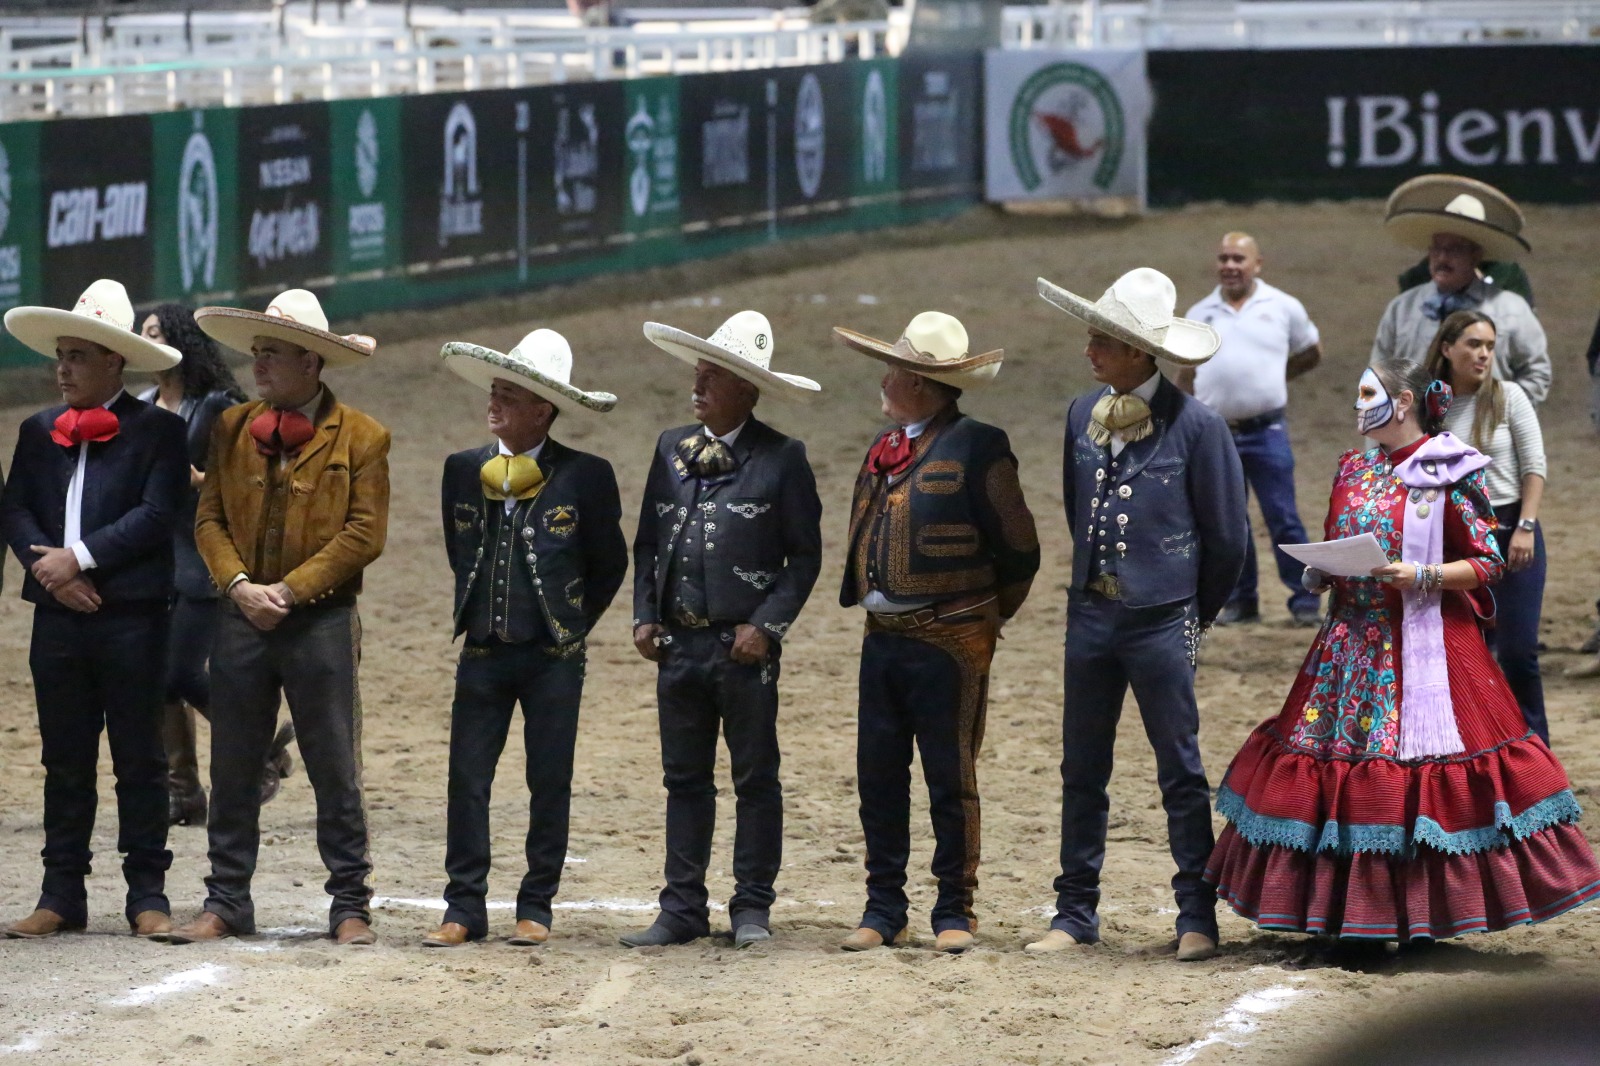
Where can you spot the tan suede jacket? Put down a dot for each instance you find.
(336, 515)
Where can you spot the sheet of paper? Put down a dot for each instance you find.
(1346, 557)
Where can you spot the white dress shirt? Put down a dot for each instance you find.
(72, 534)
(1145, 392)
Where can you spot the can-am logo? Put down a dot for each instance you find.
(810, 136)
(935, 119)
(725, 146)
(874, 129)
(577, 160)
(460, 201)
(83, 216)
(1392, 131)
(197, 213)
(1066, 116)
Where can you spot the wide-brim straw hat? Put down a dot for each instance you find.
(1464, 207)
(294, 317)
(103, 315)
(742, 345)
(934, 345)
(1137, 310)
(541, 363)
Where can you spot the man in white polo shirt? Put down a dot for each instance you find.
(1267, 339)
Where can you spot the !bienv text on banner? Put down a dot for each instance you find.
(1065, 125)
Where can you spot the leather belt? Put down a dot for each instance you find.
(1105, 585)
(689, 620)
(1250, 425)
(905, 621)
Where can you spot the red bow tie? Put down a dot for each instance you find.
(281, 432)
(891, 455)
(78, 424)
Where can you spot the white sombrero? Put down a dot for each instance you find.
(104, 315)
(1446, 203)
(541, 363)
(1137, 310)
(742, 345)
(294, 317)
(934, 345)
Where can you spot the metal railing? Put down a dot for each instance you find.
(1222, 24)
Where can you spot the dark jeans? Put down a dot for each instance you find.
(311, 658)
(1109, 647)
(1519, 600)
(698, 688)
(1269, 471)
(92, 672)
(915, 691)
(193, 622)
(490, 681)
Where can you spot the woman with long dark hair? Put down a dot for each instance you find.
(198, 389)
(1497, 418)
(1399, 795)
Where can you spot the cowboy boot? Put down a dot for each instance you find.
(186, 799)
(280, 763)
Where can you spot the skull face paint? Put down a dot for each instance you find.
(1374, 408)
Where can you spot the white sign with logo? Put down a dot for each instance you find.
(367, 225)
(1065, 125)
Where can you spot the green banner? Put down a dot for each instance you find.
(20, 235)
(877, 133)
(652, 205)
(367, 194)
(194, 205)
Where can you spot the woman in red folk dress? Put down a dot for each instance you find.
(1399, 795)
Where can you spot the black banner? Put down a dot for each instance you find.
(815, 137)
(723, 147)
(575, 163)
(941, 112)
(284, 194)
(461, 159)
(1341, 123)
(95, 192)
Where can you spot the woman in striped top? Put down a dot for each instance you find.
(1499, 420)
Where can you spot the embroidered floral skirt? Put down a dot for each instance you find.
(1328, 832)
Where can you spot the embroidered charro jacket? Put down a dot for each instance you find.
(1167, 514)
(953, 524)
(545, 572)
(757, 532)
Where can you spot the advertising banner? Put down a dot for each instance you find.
(365, 218)
(574, 193)
(812, 129)
(460, 166)
(650, 176)
(1340, 123)
(194, 205)
(285, 191)
(875, 120)
(20, 233)
(1064, 125)
(939, 115)
(96, 206)
(726, 144)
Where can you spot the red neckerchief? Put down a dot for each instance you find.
(279, 432)
(78, 424)
(891, 455)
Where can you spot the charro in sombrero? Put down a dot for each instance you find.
(1137, 310)
(934, 345)
(742, 345)
(103, 315)
(294, 317)
(1447, 203)
(541, 363)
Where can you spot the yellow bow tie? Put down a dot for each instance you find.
(511, 476)
(1124, 414)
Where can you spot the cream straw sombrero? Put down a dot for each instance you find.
(294, 317)
(1137, 310)
(104, 315)
(742, 345)
(541, 362)
(934, 345)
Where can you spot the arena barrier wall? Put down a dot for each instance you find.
(415, 201)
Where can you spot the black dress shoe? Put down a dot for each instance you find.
(657, 935)
(1237, 613)
(750, 933)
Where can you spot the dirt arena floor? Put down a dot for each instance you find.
(289, 996)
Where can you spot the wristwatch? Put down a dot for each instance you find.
(1527, 525)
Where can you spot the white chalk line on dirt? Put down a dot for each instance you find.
(1239, 1021)
(201, 976)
